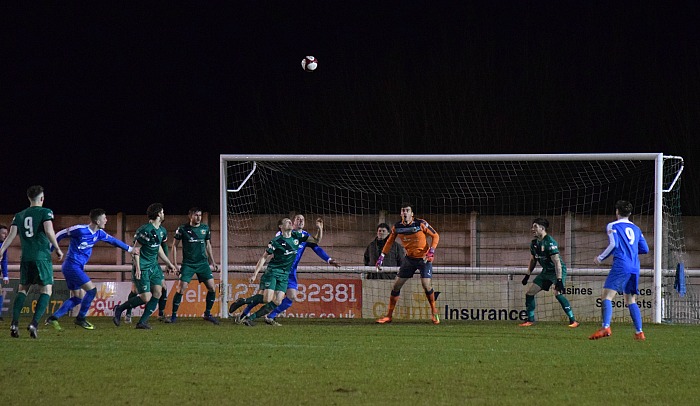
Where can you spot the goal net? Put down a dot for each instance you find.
(481, 206)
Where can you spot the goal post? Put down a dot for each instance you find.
(482, 206)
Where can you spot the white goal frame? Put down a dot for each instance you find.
(659, 190)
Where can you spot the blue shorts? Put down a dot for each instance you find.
(409, 266)
(292, 282)
(75, 275)
(622, 282)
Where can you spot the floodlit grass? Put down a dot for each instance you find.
(338, 362)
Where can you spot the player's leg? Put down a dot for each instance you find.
(66, 307)
(250, 301)
(426, 279)
(613, 284)
(290, 297)
(210, 300)
(179, 292)
(43, 271)
(90, 293)
(630, 291)
(256, 299)
(20, 298)
(162, 301)
(73, 281)
(132, 294)
(406, 271)
(274, 284)
(540, 283)
(140, 294)
(272, 297)
(565, 305)
(204, 275)
(156, 291)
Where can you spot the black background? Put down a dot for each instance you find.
(121, 105)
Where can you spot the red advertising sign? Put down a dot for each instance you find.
(318, 298)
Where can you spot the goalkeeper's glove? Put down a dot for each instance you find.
(525, 279)
(559, 286)
(333, 262)
(380, 260)
(430, 255)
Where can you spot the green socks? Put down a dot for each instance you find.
(177, 299)
(150, 308)
(530, 307)
(211, 297)
(17, 307)
(564, 302)
(270, 306)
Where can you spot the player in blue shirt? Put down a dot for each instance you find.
(3, 265)
(292, 285)
(82, 238)
(626, 243)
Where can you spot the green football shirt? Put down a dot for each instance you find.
(30, 227)
(150, 239)
(284, 251)
(543, 251)
(194, 243)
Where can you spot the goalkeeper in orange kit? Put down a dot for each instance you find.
(413, 233)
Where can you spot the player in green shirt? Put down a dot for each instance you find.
(146, 273)
(197, 255)
(281, 252)
(35, 225)
(545, 250)
(164, 290)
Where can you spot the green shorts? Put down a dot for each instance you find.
(36, 273)
(276, 281)
(545, 280)
(149, 277)
(202, 271)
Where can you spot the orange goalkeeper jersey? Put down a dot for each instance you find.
(413, 237)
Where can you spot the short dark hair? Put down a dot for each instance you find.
(541, 221)
(153, 210)
(194, 210)
(95, 213)
(2, 226)
(384, 225)
(34, 191)
(406, 204)
(624, 208)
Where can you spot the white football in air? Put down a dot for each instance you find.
(309, 63)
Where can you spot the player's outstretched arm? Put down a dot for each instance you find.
(259, 265)
(316, 238)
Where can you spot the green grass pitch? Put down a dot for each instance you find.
(349, 362)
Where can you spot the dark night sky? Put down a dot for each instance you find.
(123, 105)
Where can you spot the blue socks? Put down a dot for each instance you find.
(67, 306)
(607, 312)
(636, 317)
(86, 302)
